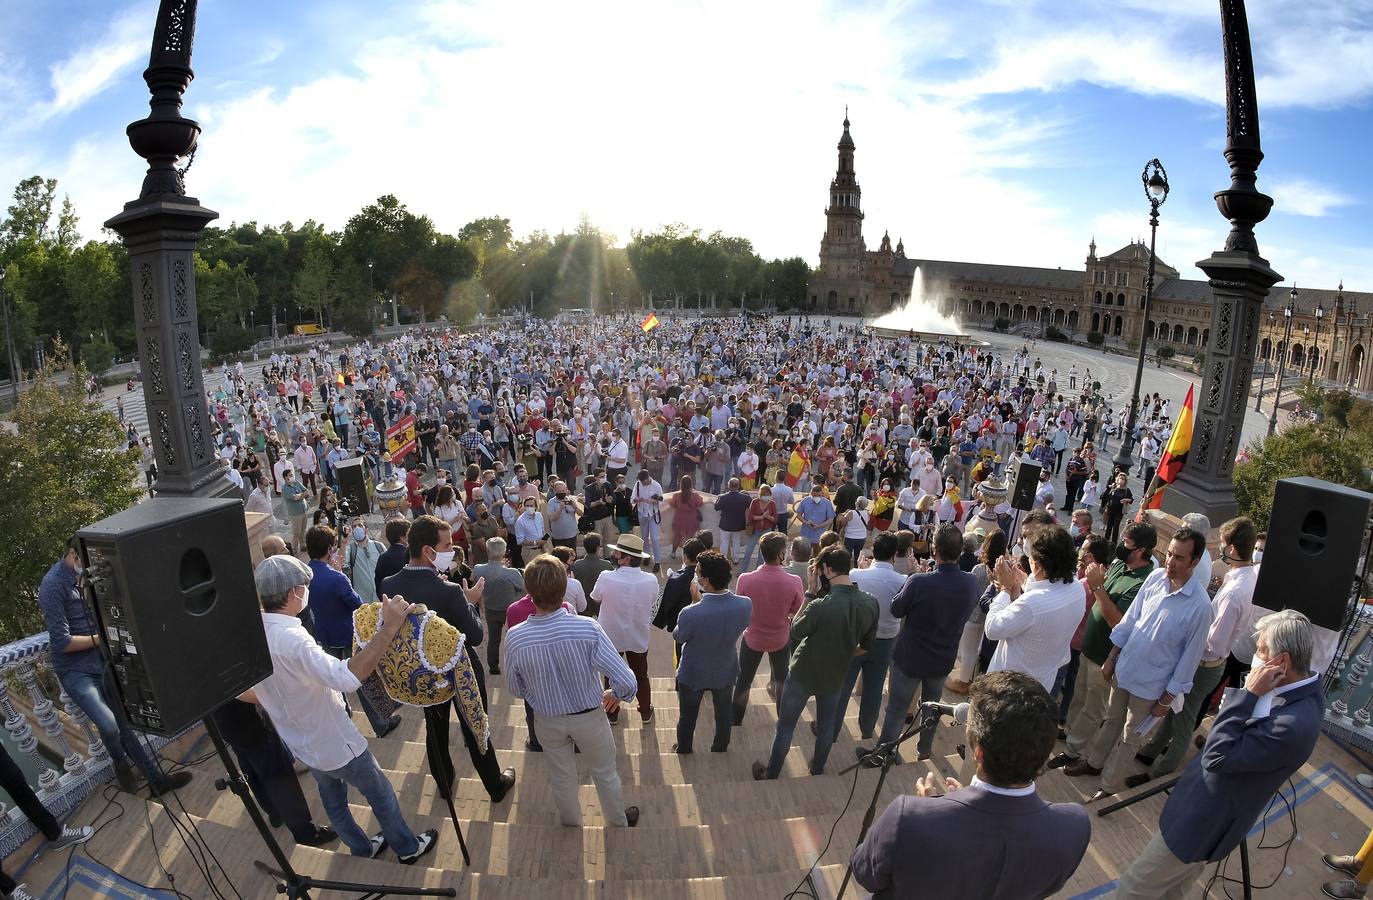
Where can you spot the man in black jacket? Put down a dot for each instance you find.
(421, 581)
(677, 590)
(392, 560)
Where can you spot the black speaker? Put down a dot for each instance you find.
(1024, 478)
(171, 581)
(1309, 559)
(354, 485)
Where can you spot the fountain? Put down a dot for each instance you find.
(919, 318)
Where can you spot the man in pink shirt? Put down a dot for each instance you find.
(777, 597)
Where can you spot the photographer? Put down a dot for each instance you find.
(920, 846)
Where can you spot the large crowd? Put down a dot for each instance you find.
(782, 487)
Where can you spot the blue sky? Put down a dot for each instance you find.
(1006, 131)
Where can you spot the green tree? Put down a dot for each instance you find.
(1313, 450)
(63, 465)
(314, 280)
(31, 214)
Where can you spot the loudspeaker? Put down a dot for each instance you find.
(171, 581)
(1024, 478)
(1309, 559)
(354, 485)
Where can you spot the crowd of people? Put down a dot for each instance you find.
(838, 502)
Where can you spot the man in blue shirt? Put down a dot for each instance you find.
(1155, 651)
(708, 632)
(80, 667)
(332, 601)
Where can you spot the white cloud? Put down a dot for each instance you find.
(1302, 197)
(91, 69)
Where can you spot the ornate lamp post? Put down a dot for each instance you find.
(1156, 189)
(1316, 356)
(1287, 312)
(159, 231)
(1267, 364)
(1240, 280)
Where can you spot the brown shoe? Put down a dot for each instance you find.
(1059, 760)
(1343, 890)
(1100, 795)
(632, 815)
(1348, 864)
(958, 687)
(1079, 767)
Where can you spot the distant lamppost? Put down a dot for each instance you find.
(1287, 312)
(9, 342)
(1267, 363)
(1316, 355)
(1155, 181)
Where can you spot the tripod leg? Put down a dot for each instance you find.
(1244, 867)
(440, 774)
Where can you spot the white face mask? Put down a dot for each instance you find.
(1258, 555)
(1074, 530)
(443, 560)
(305, 598)
(1257, 662)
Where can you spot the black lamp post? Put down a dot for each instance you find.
(1155, 181)
(1287, 312)
(9, 342)
(1267, 363)
(1316, 356)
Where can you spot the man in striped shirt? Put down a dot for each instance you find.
(554, 661)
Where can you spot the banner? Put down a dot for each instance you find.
(1174, 456)
(400, 438)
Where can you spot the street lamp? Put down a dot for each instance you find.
(1287, 312)
(1267, 364)
(1306, 347)
(1155, 181)
(9, 341)
(1316, 355)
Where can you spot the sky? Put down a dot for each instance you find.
(999, 131)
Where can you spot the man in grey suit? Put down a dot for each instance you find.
(994, 839)
(708, 632)
(1263, 734)
(504, 586)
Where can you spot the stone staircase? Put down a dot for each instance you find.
(708, 830)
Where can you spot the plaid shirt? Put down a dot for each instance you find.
(471, 441)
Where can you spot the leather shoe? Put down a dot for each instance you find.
(389, 727)
(1100, 795)
(1079, 767)
(172, 782)
(1144, 758)
(1135, 781)
(956, 686)
(682, 752)
(1343, 890)
(507, 782)
(533, 747)
(632, 815)
(323, 835)
(1059, 760)
(760, 772)
(495, 670)
(1349, 864)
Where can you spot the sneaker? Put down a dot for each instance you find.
(428, 841)
(21, 892)
(1363, 778)
(1059, 760)
(648, 719)
(127, 779)
(1348, 864)
(175, 781)
(71, 836)
(1343, 890)
(323, 835)
(378, 845)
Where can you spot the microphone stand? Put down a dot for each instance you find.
(885, 753)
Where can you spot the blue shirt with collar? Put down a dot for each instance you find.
(1162, 636)
(709, 634)
(332, 601)
(66, 616)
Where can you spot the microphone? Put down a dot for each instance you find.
(959, 712)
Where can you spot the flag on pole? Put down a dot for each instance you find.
(338, 379)
(797, 465)
(1174, 456)
(650, 322)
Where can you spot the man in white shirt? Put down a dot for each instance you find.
(647, 497)
(1034, 616)
(617, 457)
(304, 699)
(882, 581)
(629, 600)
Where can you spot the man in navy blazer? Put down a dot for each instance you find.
(1261, 736)
(994, 839)
(708, 632)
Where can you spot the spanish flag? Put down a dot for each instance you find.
(1174, 455)
(797, 465)
(650, 322)
(338, 379)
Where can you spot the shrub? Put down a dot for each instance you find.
(1002, 323)
(1165, 352)
(229, 340)
(1313, 450)
(97, 357)
(1096, 338)
(1053, 334)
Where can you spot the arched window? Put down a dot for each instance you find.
(1097, 298)
(1096, 321)
(1205, 337)
(1072, 319)
(1059, 318)
(1192, 336)
(832, 300)
(1017, 313)
(1005, 310)
(1298, 358)
(1120, 299)
(1119, 324)
(1177, 334)
(1110, 298)
(1141, 302)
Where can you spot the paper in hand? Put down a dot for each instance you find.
(1147, 725)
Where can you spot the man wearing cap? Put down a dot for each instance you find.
(303, 698)
(629, 600)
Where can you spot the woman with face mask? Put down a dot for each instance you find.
(360, 555)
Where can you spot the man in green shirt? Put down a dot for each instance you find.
(1114, 589)
(825, 635)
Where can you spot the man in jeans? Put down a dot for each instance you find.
(708, 631)
(934, 607)
(78, 665)
(59, 836)
(504, 586)
(776, 596)
(303, 697)
(882, 582)
(827, 632)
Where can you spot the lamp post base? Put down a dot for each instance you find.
(1216, 502)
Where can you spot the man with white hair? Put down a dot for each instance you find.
(1262, 736)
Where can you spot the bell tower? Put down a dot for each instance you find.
(842, 249)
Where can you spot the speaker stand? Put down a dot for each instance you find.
(290, 882)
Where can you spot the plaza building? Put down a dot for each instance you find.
(1105, 296)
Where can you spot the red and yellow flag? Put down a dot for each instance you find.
(1174, 455)
(650, 322)
(797, 465)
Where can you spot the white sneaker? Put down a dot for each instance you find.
(71, 836)
(21, 892)
(1365, 780)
